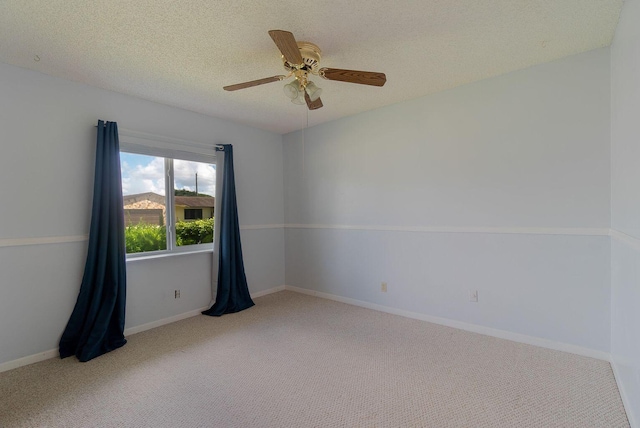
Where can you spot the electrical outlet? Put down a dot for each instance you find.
(176, 294)
(383, 287)
(473, 296)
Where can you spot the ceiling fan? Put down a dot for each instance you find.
(302, 59)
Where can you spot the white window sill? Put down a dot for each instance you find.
(136, 257)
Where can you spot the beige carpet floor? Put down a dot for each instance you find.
(300, 361)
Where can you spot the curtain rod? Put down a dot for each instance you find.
(217, 146)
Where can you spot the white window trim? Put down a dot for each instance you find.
(170, 148)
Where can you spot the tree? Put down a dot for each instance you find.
(185, 192)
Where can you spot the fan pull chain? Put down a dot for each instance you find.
(303, 131)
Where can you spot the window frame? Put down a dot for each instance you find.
(170, 149)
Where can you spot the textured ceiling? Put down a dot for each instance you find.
(182, 53)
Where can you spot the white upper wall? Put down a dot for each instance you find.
(625, 207)
(48, 146)
(526, 149)
(625, 122)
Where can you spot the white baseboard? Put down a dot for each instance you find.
(633, 422)
(488, 331)
(193, 313)
(30, 359)
(52, 353)
(502, 334)
(185, 315)
(269, 291)
(148, 326)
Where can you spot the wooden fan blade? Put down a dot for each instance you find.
(354, 76)
(285, 41)
(254, 83)
(313, 105)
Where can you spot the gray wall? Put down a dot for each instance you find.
(46, 174)
(625, 206)
(500, 186)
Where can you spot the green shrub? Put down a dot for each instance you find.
(148, 237)
(194, 232)
(145, 237)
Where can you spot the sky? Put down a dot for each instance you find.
(141, 173)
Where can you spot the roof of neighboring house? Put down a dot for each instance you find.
(183, 201)
(196, 201)
(146, 196)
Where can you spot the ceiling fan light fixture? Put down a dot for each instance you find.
(299, 99)
(300, 60)
(292, 90)
(313, 91)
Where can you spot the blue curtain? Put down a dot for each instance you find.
(96, 325)
(233, 292)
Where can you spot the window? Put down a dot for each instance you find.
(193, 213)
(169, 202)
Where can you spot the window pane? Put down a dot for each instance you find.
(195, 188)
(143, 190)
(193, 213)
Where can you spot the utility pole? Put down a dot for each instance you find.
(196, 184)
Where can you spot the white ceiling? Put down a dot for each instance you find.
(182, 53)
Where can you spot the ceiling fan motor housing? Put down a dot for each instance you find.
(311, 55)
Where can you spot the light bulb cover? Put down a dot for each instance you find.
(313, 91)
(299, 99)
(292, 90)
